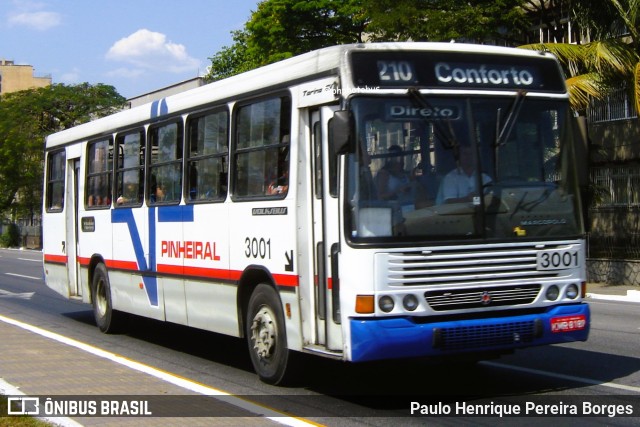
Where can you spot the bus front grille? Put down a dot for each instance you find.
(465, 266)
(486, 336)
(478, 298)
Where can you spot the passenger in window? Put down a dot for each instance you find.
(158, 194)
(393, 181)
(129, 196)
(459, 185)
(280, 184)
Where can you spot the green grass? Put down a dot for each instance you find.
(18, 421)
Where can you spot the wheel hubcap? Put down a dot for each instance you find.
(101, 299)
(263, 333)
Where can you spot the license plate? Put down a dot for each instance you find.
(568, 323)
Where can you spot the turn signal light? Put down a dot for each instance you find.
(365, 304)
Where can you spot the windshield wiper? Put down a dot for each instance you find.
(446, 135)
(503, 132)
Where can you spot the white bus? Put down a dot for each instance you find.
(360, 202)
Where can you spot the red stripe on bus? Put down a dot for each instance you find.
(122, 265)
(58, 259)
(213, 273)
(287, 280)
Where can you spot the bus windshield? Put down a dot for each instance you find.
(436, 167)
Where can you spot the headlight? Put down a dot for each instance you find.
(572, 291)
(410, 302)
(552, 293)
(386, 303)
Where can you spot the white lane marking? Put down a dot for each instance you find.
(23, 276)
(10, 390)
(29, 259)
(21, 295)
(564, 377)
(252, 407)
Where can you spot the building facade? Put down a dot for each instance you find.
(14, 77)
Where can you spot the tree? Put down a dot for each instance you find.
(280, 29)
(231, 60)
(26, 118)
(594, 68)
(477, 21)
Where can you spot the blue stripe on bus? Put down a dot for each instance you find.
(159, 108)
(165, 214)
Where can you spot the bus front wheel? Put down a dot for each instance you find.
(266, 335)
(107, 319)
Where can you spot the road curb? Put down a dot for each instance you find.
(632, 296)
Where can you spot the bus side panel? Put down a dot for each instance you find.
(210, 295)
(265, 240)
(134, 284)
(167, 251)
(94, 239)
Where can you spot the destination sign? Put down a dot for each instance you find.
(456, 70)
(400, 111)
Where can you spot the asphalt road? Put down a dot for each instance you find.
(605, 370)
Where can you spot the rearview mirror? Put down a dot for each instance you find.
(340, 132)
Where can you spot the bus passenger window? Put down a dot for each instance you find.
(99, 176)
(165, 163)
(55, 181)
(262, 149)
(130, 169)
(207, 157)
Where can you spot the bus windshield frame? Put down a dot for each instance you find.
(459, 167)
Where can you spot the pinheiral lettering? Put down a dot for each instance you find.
(189, 249)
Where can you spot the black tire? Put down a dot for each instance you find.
(107, 319)
(266, 335)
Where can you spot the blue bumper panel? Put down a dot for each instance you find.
(400, 337)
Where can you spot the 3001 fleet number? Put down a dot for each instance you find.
(557, 260)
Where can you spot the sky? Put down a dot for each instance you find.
(137, 46)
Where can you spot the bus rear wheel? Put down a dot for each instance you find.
(107, 319)
(266, 335)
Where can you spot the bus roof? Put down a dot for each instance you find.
(315, 64)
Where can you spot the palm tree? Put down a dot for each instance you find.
(595, 68)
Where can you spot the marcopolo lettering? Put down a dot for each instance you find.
(466, 74)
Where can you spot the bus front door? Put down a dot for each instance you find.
(325, 236)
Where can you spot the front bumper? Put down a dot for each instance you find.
(404, 337)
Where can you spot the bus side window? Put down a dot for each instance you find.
(262, 147)
(99, 176)
(55, 181)
(165, 163)
(207, 154)
(130, 169)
